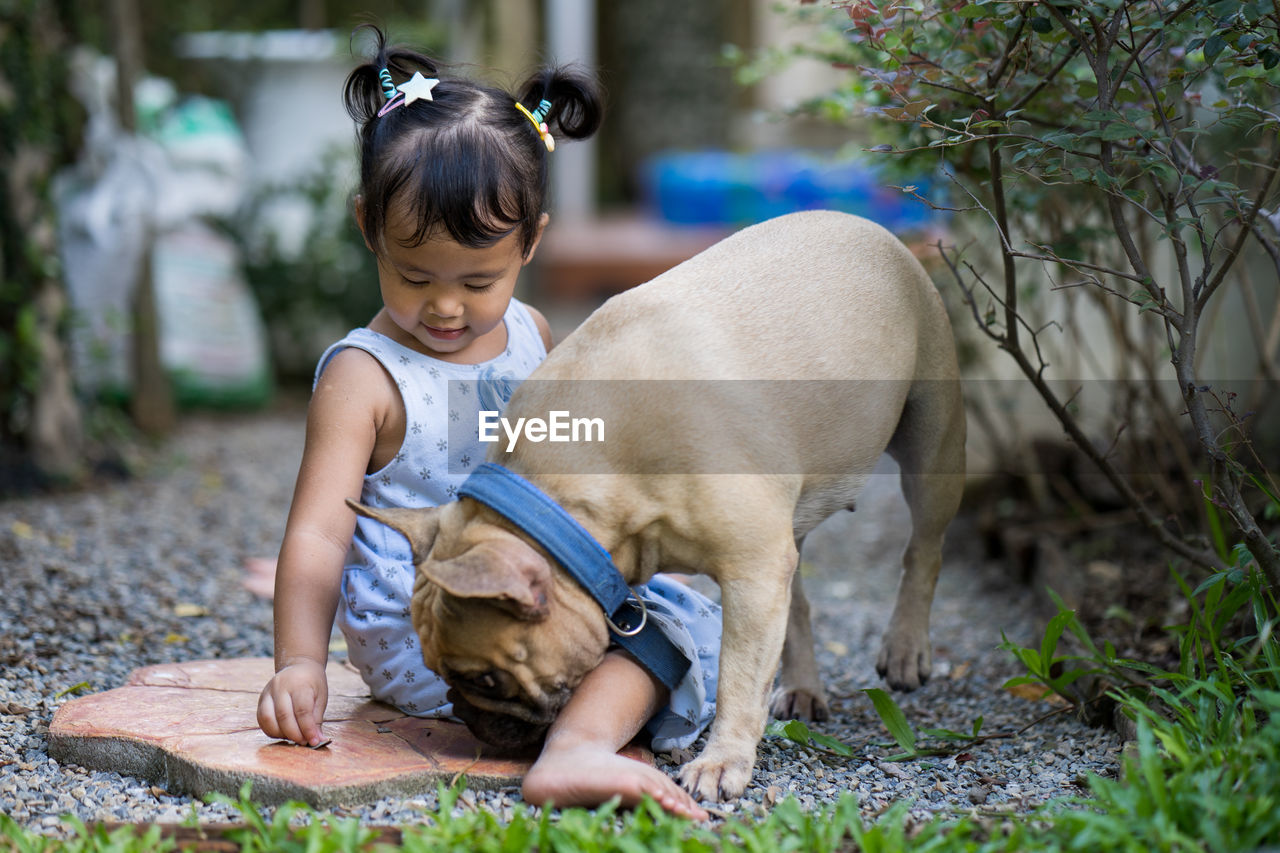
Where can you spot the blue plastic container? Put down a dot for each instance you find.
(724, 188)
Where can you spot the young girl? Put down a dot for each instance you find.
(452, 187)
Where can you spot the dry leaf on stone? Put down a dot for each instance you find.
(978, 794)
(892, 770)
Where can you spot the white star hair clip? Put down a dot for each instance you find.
(415, 88)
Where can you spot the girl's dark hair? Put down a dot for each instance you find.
(468, 160)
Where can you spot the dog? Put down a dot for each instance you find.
(786, 359)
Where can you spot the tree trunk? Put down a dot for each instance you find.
(152, 400)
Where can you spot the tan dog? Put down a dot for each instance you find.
(850, 354)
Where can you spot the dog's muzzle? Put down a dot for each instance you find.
(508, 731)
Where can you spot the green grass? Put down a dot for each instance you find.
(1203, 774)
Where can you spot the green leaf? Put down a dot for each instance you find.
(1052, 633)
(1136, 195)
(798, 732)
(1213, 46)
(1162, 170)
(75, 688)
(945, 734)
(893, 718)
(1151, 766)
(1216, 532)
(1031, 660)
(1117, 131)
(837, 746)
(1211, 581)
(1102, 116)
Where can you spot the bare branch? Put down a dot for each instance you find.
(1072, 428)
(1245, 231)
(1007, 259)
(1269, 342)
(1071, 28)
(1155, 31)
(969, 298)
(1048, 78)
(1076, 264)
(994, 75)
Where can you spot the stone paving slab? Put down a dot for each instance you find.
(192, 729)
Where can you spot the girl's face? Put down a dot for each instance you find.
(444, 299)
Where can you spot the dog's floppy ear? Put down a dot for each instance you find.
(511, 574)
(418, 525)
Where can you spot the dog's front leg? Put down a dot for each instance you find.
(755, 621)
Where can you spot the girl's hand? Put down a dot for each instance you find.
(292, 704)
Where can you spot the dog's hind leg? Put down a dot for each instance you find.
(799, 694)
(929, 449)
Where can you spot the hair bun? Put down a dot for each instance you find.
(577, 105)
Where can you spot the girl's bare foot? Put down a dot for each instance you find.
(585, 775)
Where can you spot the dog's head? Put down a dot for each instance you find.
(510, 632)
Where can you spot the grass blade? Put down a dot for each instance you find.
(893, 718)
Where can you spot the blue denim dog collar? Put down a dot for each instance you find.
(586, 561)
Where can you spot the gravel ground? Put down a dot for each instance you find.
(94, 582)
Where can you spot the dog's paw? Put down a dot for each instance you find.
(905, 662)
(797, 703)
(716, 779)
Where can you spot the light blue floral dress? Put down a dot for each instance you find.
(442, 401)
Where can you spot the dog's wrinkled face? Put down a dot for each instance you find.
(510, 634)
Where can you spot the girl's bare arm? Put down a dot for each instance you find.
(353, 403)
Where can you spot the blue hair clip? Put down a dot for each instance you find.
(388, 87)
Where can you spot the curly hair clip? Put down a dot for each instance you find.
(415, 88)
(538, 118)
(388, 87)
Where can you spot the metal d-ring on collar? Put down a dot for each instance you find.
(622, 631)
(587, 562)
